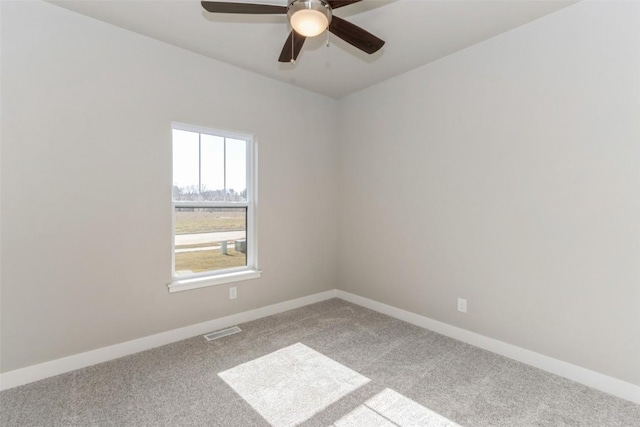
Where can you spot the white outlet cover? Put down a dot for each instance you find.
(462, 305)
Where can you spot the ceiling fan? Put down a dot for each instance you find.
(308, 18)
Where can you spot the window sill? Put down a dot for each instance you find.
(219, 279)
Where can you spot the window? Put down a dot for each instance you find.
(213, 208)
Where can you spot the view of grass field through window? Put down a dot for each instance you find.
(209, 239)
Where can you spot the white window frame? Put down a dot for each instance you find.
(228, 275)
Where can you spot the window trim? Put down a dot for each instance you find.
(213, 280)
(228, 275)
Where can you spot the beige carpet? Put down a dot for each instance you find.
(291, 385)
(414, 375)
(391, 409)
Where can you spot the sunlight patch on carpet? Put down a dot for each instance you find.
(390, 408)
(291, 385)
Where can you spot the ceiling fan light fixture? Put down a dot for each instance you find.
(309, 18)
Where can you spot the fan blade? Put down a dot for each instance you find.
(297, 40)
(355, 35)
(247, 8)
(339, 3)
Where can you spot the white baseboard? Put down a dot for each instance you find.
(59, 366)
(576, 373)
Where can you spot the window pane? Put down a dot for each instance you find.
(209, 239)
(212, 161)
(185, 165)
(236, 170)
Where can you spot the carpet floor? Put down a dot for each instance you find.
(430, 376)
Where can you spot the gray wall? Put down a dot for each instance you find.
(86, 183)
(507, 174)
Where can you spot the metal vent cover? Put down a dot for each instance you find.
(222, 333)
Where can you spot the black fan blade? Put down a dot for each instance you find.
(295, 40)
(246, 8)
(339, 3)
(355, 36)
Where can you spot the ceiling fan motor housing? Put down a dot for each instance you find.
(309, 17)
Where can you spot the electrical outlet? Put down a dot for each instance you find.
(462, 305)
(233, 293)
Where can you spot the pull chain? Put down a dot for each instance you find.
(293, 60)
(327, 30)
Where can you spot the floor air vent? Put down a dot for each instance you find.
(222, 333)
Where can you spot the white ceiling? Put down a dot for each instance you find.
(416, 32)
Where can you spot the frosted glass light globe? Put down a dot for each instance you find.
(309, 22)
(309, 18)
